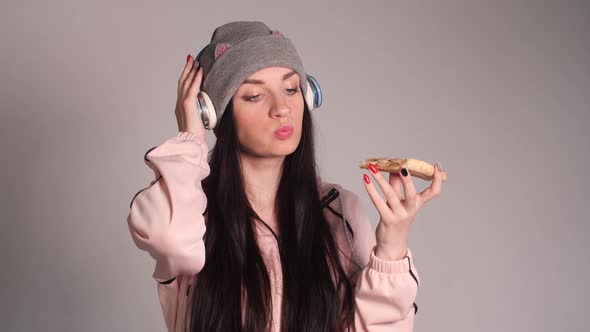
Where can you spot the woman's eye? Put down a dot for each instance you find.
(256, 97)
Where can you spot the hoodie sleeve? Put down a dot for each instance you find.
(385, 291)
(385, 295)
(166, 218)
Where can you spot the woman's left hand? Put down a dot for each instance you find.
(397, 213)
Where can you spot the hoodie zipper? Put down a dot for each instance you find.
(280, 243)
(324, 201)
(277, 238)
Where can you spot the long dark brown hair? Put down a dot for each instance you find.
(312, 300)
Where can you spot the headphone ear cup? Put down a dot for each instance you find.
(207, 110)
(309, 95)
(313, 95)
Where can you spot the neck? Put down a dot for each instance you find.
(261, 181)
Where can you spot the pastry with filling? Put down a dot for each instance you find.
(418, 168)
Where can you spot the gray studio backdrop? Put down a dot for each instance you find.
(497, 91)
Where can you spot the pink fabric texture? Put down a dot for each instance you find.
(166, 220)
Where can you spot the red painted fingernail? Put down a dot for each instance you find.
(373, 168)
(188, 57)
(367, 180)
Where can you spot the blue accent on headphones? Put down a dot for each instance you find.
(317, 91)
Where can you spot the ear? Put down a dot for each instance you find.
(220, 49)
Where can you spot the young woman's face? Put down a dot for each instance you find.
(266, 101)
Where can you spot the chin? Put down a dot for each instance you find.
(286, 147)
(285, 150)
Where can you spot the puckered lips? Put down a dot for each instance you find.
(284, 132)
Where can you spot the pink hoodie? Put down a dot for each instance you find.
(166, 220)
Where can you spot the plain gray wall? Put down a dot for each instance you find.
(496, 91)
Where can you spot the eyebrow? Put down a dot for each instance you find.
(287, 75)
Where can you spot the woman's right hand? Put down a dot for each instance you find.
(188, 116)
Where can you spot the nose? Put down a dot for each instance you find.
(280, 106)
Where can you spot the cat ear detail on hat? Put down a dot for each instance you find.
(220, 49)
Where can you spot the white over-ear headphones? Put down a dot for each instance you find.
(313, 99)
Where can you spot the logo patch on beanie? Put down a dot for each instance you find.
(220, 49)
(276, 32)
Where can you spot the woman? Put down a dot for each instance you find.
(253, 239)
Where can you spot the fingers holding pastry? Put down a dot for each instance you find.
(382, 207)
(410, 200)
(392, 199)
(412, 167)
(395, 180)
(435, 187)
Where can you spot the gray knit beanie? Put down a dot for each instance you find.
(239, 49)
